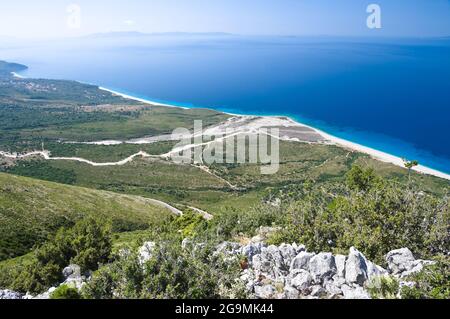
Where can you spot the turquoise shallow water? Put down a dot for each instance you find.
(391, 95)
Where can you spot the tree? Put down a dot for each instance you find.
(88, 244)
(409, 165)
(360, 179)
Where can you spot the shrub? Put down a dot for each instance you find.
(65, 292)
(433, 282)
(232, 223)
(189, 224)
(376, 217)
(87, 244)
(172, 272)
(360, 179)
(383, 287)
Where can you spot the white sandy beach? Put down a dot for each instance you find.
(269, 121)
(14, 74)
(139, 99)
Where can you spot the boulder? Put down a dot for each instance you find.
(318, 291)
(322, 266)
(290, 292)
(251, 250)
(45, 295)
(73, 278)
(265, 292)
(400, 260)
(354, 292)
(270, 263)
(298, 248)
(340, 265)
(146, 251)
(338, 281)
(302, 280)
(288, 252)
(356, 268)
(228, 248)
(332, 287)
(374, 270)
(301, 261)
(416, 267)
(71, 271)
(9, 294)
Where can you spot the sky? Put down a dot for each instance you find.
(62, 18)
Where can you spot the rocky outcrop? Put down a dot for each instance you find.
(146, 251)
(401, 262)
(289, 271)
(322, 267)
(9, 294)
(73, 277)
(356, 268)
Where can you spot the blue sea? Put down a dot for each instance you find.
(389, 94)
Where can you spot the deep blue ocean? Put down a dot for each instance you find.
(389, 94)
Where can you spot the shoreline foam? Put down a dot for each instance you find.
(376, 154)
(140, 99)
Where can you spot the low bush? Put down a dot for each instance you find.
(172, 272)
(373, 215)
(433, 282)
(383, 287)
(88, 243)
(65, 292)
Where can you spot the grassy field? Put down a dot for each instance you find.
(189, 185)
(30, 210)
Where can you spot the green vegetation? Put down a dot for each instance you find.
(372, 214)
(107, 153)
(433, 282)
(88, 244)
(43, 170)
(383, 287)
(368, 211)
(65, 292)
(171, 272)
(31, 210)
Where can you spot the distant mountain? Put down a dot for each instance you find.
(6, 68)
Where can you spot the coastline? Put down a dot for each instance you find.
(126, 96)
(16, 75)
(376, 154)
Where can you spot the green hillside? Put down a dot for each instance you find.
(30, 210)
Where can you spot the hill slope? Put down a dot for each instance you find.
(30, 210)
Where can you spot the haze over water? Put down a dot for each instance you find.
(392, 95)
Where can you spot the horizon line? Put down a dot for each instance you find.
(222, 33)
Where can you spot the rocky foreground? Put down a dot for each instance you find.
(291, 272)
(287, 271)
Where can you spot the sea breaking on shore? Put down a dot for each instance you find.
(286, 122)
